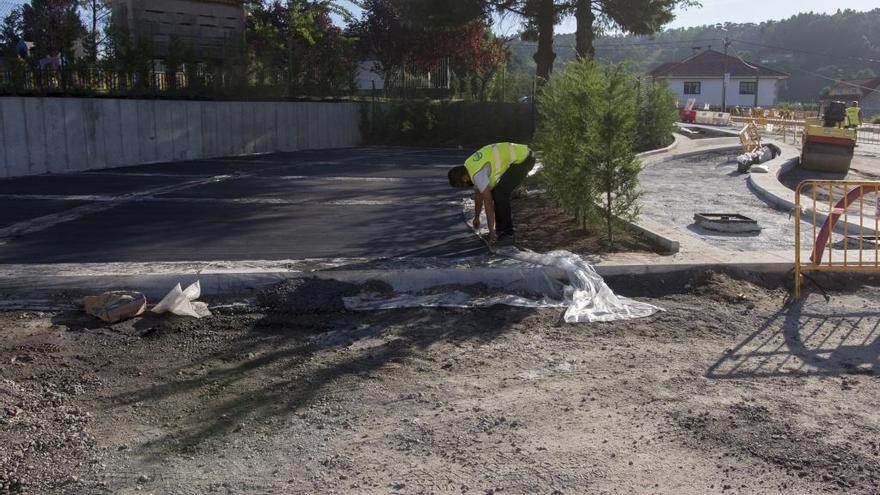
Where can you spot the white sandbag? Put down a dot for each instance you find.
(183, 302)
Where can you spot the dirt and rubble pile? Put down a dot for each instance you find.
(723, 288)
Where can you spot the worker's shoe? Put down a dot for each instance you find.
(505, 240)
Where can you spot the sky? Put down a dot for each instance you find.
(737, 11)
(712, 12)
(741, 11)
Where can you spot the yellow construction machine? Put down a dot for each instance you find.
(828, 146)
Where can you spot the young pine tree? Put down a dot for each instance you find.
(616, 167)
(586, 133)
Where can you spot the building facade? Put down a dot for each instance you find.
(701, 77)
(213, 29)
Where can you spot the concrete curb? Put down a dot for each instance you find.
(64, 292)
(669, 245)
(712, 128)
(770, 189)
(676, 140)
(71, 287)
(760, 267)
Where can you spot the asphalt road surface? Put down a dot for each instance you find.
(374, 203)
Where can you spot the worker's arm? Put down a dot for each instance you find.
(478, 206)
(489, 203)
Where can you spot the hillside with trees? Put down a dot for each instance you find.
(815, 49)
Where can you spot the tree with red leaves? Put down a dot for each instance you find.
(480, 54)
(471, 48)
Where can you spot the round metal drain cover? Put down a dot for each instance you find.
(727, 222)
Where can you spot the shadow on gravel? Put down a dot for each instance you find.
(799, 341)
(285, 362)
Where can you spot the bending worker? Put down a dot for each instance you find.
(854, 115)
(494, 172)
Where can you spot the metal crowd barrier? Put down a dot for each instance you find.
(868, 134)
(853, 246)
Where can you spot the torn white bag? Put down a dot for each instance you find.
(183, 302)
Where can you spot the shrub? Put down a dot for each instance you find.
(429, 122)
(658, 114)
(587, 131)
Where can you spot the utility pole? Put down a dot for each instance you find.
(724, 76)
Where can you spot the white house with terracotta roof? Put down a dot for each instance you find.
(701, 77)
(864, 91)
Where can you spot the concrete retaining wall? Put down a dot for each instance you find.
(56, 135)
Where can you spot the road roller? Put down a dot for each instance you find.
(828, 146)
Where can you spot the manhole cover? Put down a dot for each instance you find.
(726, 222)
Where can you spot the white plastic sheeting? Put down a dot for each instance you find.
(453, 299)
(588, 297)
(585, 295)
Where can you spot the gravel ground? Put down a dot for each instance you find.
(727, 391)
(711, 184)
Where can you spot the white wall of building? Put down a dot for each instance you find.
(711, 89)
(59, 135)
(368, 76)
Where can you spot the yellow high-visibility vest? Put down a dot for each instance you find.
(852, 114)
(500, 156)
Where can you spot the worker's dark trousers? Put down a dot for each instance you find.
(511, 179)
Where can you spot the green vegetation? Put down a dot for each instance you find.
(587, 133)
(540, 17)
(814, 48)
(291, 49)
(433, 122)
(657, 115)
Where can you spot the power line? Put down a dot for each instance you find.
(806, 52)
(645, 43)
(838, 81)
(654, 43)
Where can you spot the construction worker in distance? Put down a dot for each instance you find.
(853, 115)
(494, 171)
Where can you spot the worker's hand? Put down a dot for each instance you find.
(477, 223)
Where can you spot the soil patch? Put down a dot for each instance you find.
(798, 450)
(542, 226)
(724, 288)
(720, 393)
